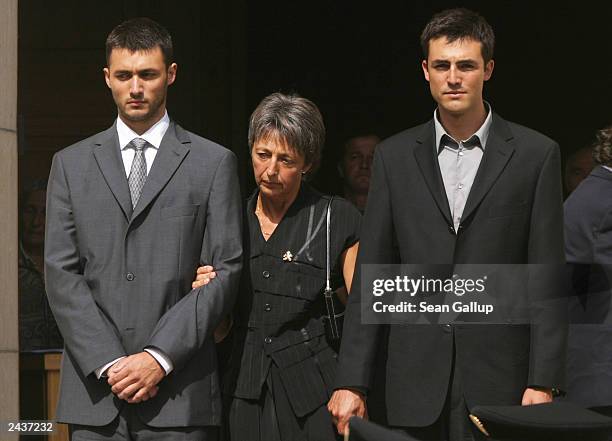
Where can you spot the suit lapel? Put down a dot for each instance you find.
(425, 156)
(498, 152)
(172, 150)
(108, 157)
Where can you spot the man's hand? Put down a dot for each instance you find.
(343, 405)
(536, 396)
(135, 378)
(204, 274)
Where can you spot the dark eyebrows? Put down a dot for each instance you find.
(147, 72)
(443, 61)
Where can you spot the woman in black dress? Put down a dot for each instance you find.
(282, 367)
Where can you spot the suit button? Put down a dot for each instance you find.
(447, 328)
(267, 307)
(129, 277)
(268, 340)
(451, 229)
(266, 274)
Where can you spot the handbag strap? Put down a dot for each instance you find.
(327, 249)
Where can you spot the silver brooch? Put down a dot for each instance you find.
(287, 257)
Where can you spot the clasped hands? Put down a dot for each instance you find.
(135, 378)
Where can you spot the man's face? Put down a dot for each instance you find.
(357, 163)
(578, 167)
(456, 73)
(139, 82)
(33, 218)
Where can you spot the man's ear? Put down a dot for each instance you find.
(425, 71)
(340, 170)
(172, 73)
(106, 71)
(489, 70)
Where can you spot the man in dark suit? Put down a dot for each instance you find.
(131, 212)
(588, 248)
(466, 187)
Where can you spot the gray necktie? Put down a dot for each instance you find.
(138, 172)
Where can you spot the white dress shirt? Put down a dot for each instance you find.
(153, 136)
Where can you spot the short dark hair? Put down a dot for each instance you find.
(459, 24)
(140, 34)
(602, 149)
(293, 120)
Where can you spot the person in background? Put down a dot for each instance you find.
(355, 168)
(37, 327)
(578, 166)
(588, 250)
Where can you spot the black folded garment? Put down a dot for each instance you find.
(557, 421)
(362, 430)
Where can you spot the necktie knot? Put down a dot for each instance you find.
(138, 143)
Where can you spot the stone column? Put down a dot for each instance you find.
(9, 340)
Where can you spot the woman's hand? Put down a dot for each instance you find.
(204, 275)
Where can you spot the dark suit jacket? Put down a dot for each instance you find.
(119, 281)
(513, 215)
(588, 249)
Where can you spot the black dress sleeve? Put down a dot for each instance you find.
(345, 224)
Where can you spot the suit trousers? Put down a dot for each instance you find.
(128, 427)
(454, 423)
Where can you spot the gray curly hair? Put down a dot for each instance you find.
(602, 149)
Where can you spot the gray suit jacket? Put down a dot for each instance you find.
(119, 281)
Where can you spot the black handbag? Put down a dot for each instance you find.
(334, 320)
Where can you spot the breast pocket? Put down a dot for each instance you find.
(179, 211)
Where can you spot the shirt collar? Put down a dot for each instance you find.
(607, 168)
(153, 136)
(482, 133)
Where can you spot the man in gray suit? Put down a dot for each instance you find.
(131, 212)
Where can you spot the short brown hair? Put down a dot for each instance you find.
(140, 34)
(294, 120)
(459, 24)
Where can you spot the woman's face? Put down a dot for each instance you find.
(277, 167)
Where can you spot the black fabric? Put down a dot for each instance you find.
(278, 316)
(550, 421)
(271, 417)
